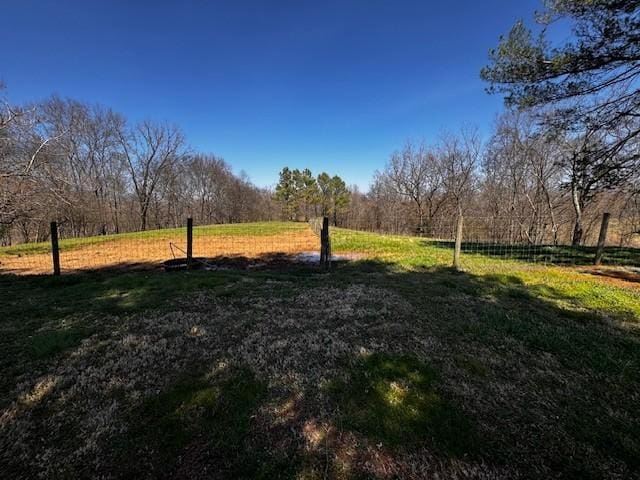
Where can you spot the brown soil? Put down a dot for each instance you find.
(617, 276)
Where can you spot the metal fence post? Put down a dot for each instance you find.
(55, 251)
(458, 244)
(602, 238)
(189, 242)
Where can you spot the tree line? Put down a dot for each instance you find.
(520, 186)
(584, 95)
(565, 149)
(303, 196)
(95, 172)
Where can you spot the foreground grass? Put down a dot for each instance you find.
(564, 287)
(392, 366)
(394, 399)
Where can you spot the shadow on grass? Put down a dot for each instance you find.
(303, 260)
(579, 419)
(626, 276)
(493, 311)
(50, 342)
(200, 420)
(553, 254)
(275, 261)
(131, 286)
(395, 399)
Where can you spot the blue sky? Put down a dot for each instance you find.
(334, 86)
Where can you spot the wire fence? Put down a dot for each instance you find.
(253, 245)
(493, 239)
(238, 245)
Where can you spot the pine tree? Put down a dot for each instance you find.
(340, 196)
(286, 193)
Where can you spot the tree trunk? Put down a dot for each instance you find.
(577, 226)
(420, 216)
(115, 213)
(143, 218)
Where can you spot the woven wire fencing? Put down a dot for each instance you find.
(242, 245)
(506, 238)
(258, 244)
(492, 239)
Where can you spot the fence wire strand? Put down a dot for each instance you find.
(242, 244)
(492, 239)
(488, 238)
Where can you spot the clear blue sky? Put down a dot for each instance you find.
(333, 86)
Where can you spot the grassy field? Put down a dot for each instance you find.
(256, 229)
(390, 366)
(150, 248)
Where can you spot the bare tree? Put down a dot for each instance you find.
(521, 178)
(83, 166)
(23, 151)
(591, 168)
(149, 150)
(459, 157)
(414, 174)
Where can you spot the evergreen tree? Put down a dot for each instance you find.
(286, 193)
(307, 193)
(325, 195)
(591, 79)
(588, 89)
(340, 196)
(303, 195)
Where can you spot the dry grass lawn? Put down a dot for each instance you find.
(391, 366)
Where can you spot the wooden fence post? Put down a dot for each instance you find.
(322, 245)
(602, 238)
(458, 244)
(325, 252)
(328, 244)
(189, 242)
(55, 250)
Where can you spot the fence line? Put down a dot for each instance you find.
(269, 243)
(502, 238)
(248, 245)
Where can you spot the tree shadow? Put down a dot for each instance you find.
(455, 373)
(395, 399)
(624, 275)
(577, 359)
(264, 261)
(272, 261)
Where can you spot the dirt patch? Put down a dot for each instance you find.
(617, 276)
(150, 253)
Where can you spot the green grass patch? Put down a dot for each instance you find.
(396, 400)
(211, 415)
(560, 286)
(51, 342)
